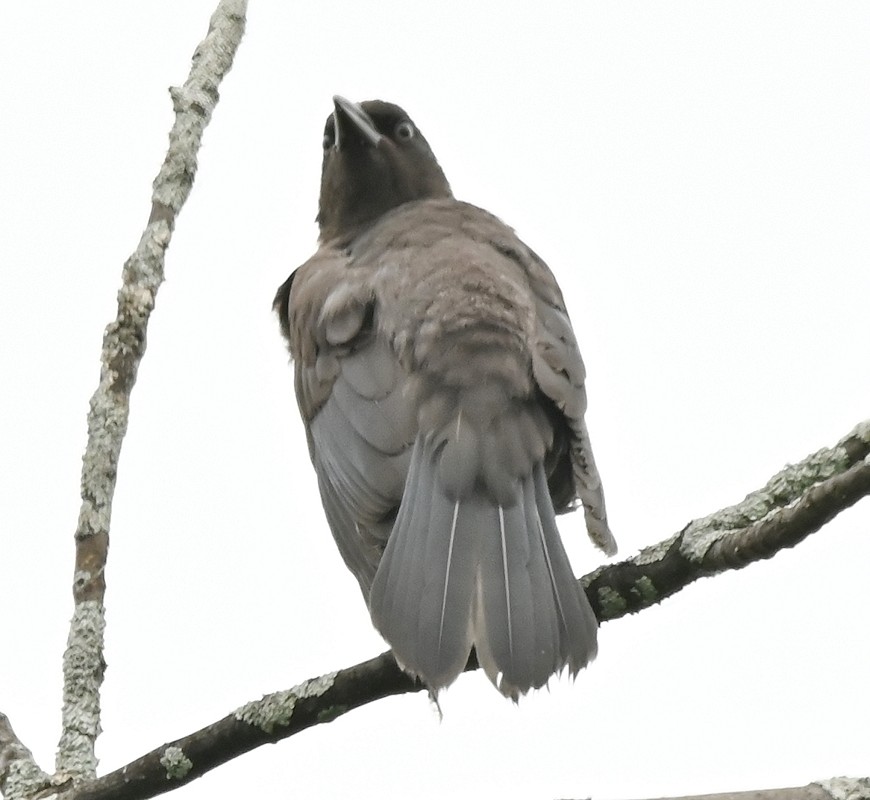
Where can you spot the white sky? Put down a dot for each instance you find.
(698, 177)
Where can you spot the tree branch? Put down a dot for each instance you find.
(794, 503)
(123, 348)
(833, 789)
(274, 717)
(20, 776)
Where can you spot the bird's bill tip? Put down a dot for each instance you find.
(349, 117)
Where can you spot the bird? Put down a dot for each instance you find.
(443, 396)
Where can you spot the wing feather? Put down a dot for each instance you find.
(358, 415)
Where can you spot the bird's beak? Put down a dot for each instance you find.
(351, 122)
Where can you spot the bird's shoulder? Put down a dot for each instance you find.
(419, 252)
(427, 246)
(322, 304)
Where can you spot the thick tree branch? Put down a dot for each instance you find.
(123, 348)
(794, 503)
(274, 717)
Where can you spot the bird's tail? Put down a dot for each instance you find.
(464, 570)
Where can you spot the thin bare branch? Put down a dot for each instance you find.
(123, 348)
(793, 504)
(833, 789)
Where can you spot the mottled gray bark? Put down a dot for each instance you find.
(123, 348)
(794, 503)
(20, 777)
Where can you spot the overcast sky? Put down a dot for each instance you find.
(697, 175)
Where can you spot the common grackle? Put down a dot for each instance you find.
(443, 398)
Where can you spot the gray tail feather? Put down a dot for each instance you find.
(463, 573)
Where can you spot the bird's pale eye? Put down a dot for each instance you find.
(405, 131)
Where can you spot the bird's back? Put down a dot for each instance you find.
(416, 350)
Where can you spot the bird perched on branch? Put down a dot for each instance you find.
(443, 398)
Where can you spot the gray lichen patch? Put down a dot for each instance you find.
(784, 489)
(176, 764)
(702, 534)
(861, 432)
(83, 675)
(23, 779)
(655, 553)
(846, 788)
(646, 590)
(275, 710)
(195, 101)
(612, 603)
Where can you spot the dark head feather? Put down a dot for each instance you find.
(374, 159)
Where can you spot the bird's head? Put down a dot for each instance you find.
(374, 159)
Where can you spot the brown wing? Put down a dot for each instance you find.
(350, 392)
(559, 371)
